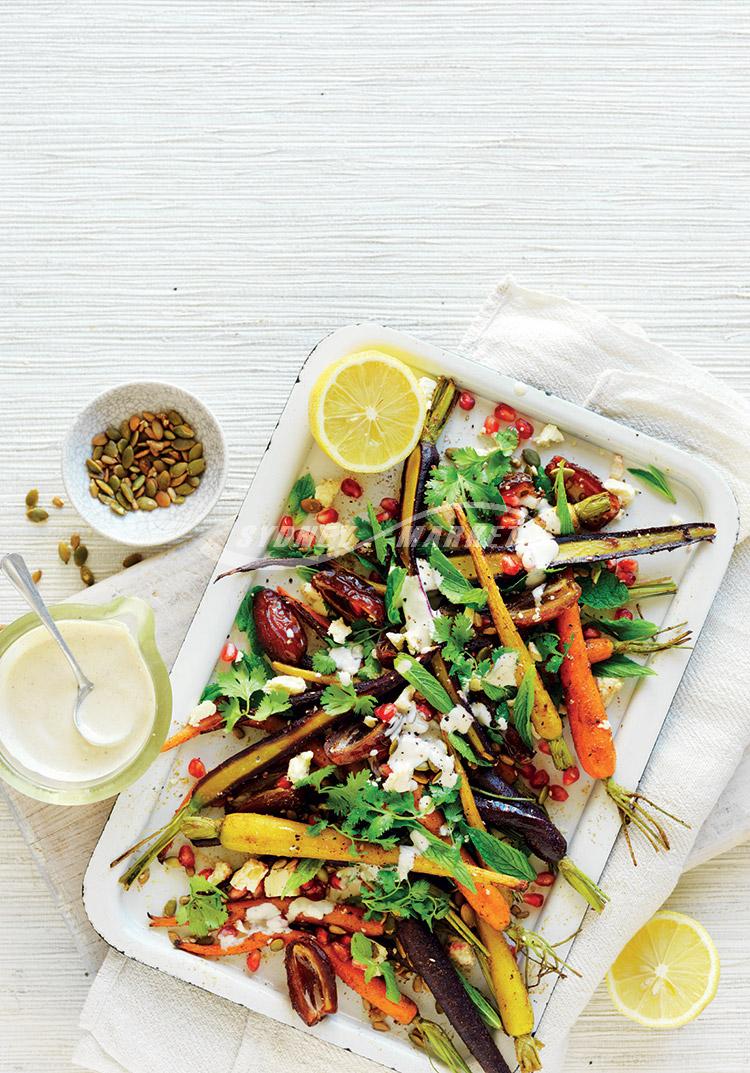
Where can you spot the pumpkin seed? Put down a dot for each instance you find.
(151, 487)
(123, 501)
(138, 482)
(170, 907)
(194, 481)
(168, 434)
(63, 550)
(276, 944)
(97, 453)
(131, 560)
(147, 503)
(36, 577)
(184, 431)
(196, 451)
(179, 499)
(127, 457)
(162, 499)
(32, 497)
(37, 514)
(186, 489)
(159, 466)
(121, 445)
(99, 440)
(134, 422)
(175, 418)
(75, 540)
(124, 428)
(197, 466)
(114, 482)
(148, 416)
(163, 481)
(172, 494)
(94, 466)
(109, 460)
(182, 445)
(119, 471)
(57, 502)
(117, 508)
(178, 469)
(107, 488)
(86, 576)
(113, 432)
(531, 457)
(157, 429)
(111, 449)
(80, 555)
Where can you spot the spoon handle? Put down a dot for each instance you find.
(15, 568)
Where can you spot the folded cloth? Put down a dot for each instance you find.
(136, 1018)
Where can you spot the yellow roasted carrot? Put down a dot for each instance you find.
(544, 716)
(302, 672)
(251, 832)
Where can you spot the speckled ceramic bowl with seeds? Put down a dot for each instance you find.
(162, 525)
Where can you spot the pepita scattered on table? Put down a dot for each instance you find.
(149, 460)
(37, 514)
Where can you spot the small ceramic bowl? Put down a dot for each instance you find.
(143, 529)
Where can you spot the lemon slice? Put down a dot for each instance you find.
(667, 974)
(367, 411)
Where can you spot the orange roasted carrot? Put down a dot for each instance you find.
(404, 1011)
(599, 648)
(188, 732)
(349, 917)
(246, 946)
(592, 734)
(487, 901)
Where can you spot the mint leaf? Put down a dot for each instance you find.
(605, 592)
(463, 749)
(306, 869)
(561, 502)
(501, 857)
(372, 957)
(393, 590)
(453, 585)
(625, 629)
(654, 478)
(303, 488)
(523, 707)
(423, 681)
(619, 666)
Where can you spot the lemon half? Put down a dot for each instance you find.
(667, 974)
(366, 411)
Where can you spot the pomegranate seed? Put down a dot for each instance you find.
(205, 872)
(623, 612)
(304, 538)
(466, 400)
(386, 770)
(545, 879)
(590, 632)
(286, 526)
(314, 890)
(228, 653)
(503, 412)
(327, 516)
(335, 882)
(390, 504)
(532, 898)
(351, 488)
(539, 779)
(235, 894)
(527, 769)
(385, 712)
(196, 768)
(626, 569)
(424, 710)
(186, 857)
(571, 775)
(253, 961)
(284, 783)
(491, 425)
(511, 565)
(558, 793)
(544, 747)
(509, 520)
(384, 516)
(524, 428)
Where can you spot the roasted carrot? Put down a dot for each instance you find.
(349, 917)
(404, 1011)
(302, 672)
(486, 901)
(246, 946)
(544, 716)
(186, 733)
(599, 648)
(592, 734)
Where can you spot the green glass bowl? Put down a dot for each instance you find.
(139, 619)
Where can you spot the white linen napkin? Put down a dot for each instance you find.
(136, 1018)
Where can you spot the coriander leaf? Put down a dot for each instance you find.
(286, 550)
(523, 707)
(272, 703)
(241, 682)
(561, 502)
(619, 666)
(441, 628)
(211, 692)
(323, 663)
(453, 585)
(231, 712)
(501, 857)
(204, 910)
(363, 532)
(605, 592)
(338, 699)
(303, 873)
(303, 488)
(423, 681)
(405, 898)
(306, 573)
(378, 539)
(393, 589)
(654, 478)
(372, 956)
(548, 647)
(626, 629)
(244, 618)
(316, 778)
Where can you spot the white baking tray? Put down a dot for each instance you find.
(588, 818)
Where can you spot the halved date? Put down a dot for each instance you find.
(311, 980)
(279, 630)
(350, 595)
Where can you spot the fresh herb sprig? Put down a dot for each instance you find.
(655, 479)
(204, 910)
(452, 584)
(404, 898)
(372, 957)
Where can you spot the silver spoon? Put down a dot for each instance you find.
(15, 568)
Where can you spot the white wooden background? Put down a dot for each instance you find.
(199, 191)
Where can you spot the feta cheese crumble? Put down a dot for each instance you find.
(299, 767)
(457, 720)
(625, 492)
(503, 672)
(536, 547)
(348, 660)
(200, 712)
(339, 631)
(549, 435)
(250, 875)
(326, 491)
(288, 683)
